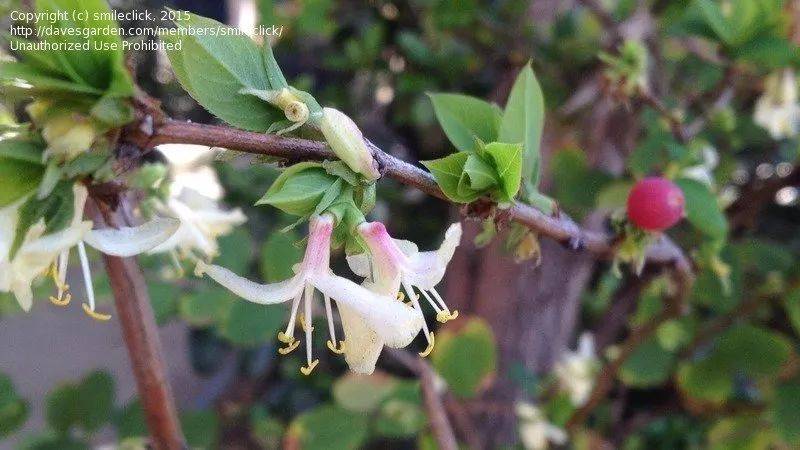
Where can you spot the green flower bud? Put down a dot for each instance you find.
(347, 142)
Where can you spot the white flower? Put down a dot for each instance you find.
(393, 263)
(393, 321)
(777, 109)
(40, 252)
(193, 200)
(347, 142)
(576, 370)
(535, 431)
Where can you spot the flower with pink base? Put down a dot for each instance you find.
(392, 264)
(394, 322)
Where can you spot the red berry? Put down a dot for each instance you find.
(655, 204)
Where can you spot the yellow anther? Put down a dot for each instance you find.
(61, 301)
(429, 349)
(285, 338)
(332, 347)
(94, 314)
(289, 348)
(302, 319)
(401, 296)
(306, 370)
(443, 317)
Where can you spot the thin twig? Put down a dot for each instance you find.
(560, 228)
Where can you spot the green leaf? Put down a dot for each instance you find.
(22, 149)
(330, 428)
(13, 409)
(464, 118)
(56, 210)
(17, 179)
(214, 69)
(481, 174)
(448, 173)
(113, 111)
(278, 254)
(265, 429)
(400, 415)
(507, 159)
(786, 414)
(23, 76)
(87, 404)
(201, 428)
(466, 358)
(299, 189)
(705, 380)
(206, 307)
(523, 120)
(85, 164)
(702, 209)
(249, 324)
(649, 365)
(236, 250)
(274, 74)
(363, 393)
(129, 420)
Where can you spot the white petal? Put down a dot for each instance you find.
(362, 345)
(257, 293)
(395, 322)
(24, 294)
(586, 345)
(52, 244)
(129, 241)
(360, 265)
(427, 268)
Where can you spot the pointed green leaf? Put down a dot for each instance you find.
(299, 189)
(463, 118)
(702, 209)
(507, 160)
(17, 179)
(523, 120)
(448, 173)
(481, 174)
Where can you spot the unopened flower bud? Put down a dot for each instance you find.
(347, 142)
(67, 136)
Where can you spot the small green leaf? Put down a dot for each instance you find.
(448, 173)
(13, 409)
(278, 255)
(649, 365)
(363, 393)
(507, 159)
(702, 209)
(249, 324)
(329, 427)
(113, 111)
(22, 76)
(201, 428)
(464, 118)
(523, 120)
(87, 404)
(22, 149)
(56, 210)
(466, 358)
(481, 174)
(298, 190)
(17, 179)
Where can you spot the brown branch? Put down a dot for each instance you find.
(673, 308)
(561, 228)
(144, 346)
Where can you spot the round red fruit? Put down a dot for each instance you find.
(655, 204)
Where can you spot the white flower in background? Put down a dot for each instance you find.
(535, 432)
(393, 263)
(193, 199)
(40, 253)
(777, 109)
(394, 322)
(576, 370)
(704, 172)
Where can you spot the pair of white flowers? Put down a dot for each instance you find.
(373, 314)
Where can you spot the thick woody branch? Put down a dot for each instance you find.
(560, 228)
